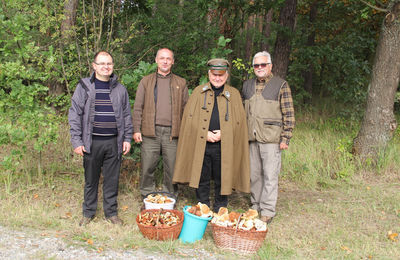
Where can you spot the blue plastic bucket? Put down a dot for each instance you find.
(193, 227)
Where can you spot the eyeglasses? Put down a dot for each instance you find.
(262, 65)
(110, 64)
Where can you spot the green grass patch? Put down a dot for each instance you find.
(330, 205)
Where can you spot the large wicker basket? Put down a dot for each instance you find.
(161, 233)
(241, 241)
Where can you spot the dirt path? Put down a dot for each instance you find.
(32, 245)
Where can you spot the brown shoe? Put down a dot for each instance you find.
(115, 220)
(84, 221)
(267, 219)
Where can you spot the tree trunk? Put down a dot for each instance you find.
(379, 122)
(55, 87)
(70, 17)
(308, 75)
(287, 19)
(249, 37)
(267, 30)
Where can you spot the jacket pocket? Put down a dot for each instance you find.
(268, 131)
(269, 122)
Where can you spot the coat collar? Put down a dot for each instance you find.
(225, 93)
(113, 79)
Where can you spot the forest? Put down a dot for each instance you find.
(325, 49)
(341, 59)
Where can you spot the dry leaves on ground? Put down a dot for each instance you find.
(392, 236)
(345, 248)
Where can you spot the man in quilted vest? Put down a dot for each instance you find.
(270, 119)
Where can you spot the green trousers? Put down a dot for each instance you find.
(152, 149)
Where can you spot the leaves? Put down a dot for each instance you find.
(392, 236)
(345, 248)
(67, 215)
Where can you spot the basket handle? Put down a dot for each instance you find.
(238, 221)
(158, 216)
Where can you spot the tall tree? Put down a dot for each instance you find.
(287, 20)
(266, 30)
(56, 87)
(308, 74)
(379, 122)
(70, 17)
(249, 36)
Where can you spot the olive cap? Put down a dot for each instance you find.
(218, 66)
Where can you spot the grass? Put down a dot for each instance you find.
(330, 206)
(348, 221)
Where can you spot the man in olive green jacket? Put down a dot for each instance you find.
(157, 112)
(213, 141)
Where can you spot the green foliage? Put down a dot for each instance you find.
(320, 151)
(345, 40)
(240, 70)
(26, 120)
(221, 51)
(345, 159)
(131, 79)
(40, 65)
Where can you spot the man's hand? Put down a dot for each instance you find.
(137, 137)
(214, 136)
(126, 147)
(283, 146)
(80, 150)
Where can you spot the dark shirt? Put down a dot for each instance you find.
(104, 117)
(214, 121)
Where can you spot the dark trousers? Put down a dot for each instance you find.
(104, 153)
(211, 169)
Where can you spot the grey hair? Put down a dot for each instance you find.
(263, 54)
(163, 49)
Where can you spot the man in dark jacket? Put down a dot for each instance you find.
(270, 118)
(157, 113)
(101, 130)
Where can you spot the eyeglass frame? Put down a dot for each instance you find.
(104, 64)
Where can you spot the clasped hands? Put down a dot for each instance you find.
(214, 136)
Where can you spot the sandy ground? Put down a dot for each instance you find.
(31, 245)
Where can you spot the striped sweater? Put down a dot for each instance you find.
(104, 118)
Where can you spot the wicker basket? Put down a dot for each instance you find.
(161, 233)
(241, 241)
